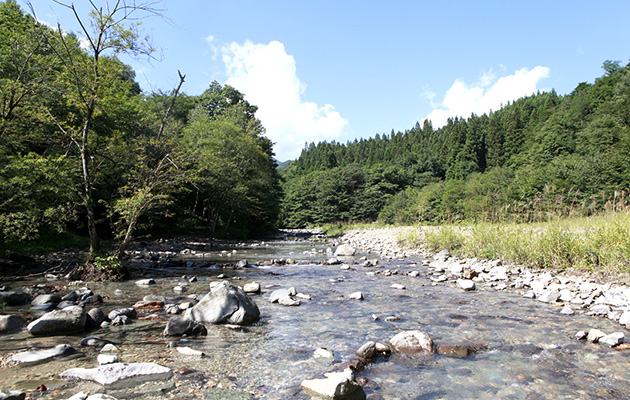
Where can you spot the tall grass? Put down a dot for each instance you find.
(590, 243)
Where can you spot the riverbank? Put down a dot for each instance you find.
(600, 293)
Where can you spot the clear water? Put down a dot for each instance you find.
(530, 354)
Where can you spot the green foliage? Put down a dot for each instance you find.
(107, 263)
(79, 140)
(601, 242)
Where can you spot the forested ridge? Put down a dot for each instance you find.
(536, 158)
(83, 149)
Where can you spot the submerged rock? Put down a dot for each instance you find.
(59, 322)
(120, 375)
(178, 326)
(43, 355)
(225, 303)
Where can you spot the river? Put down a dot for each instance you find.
(530, 348)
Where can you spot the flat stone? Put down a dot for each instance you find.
(190, 352)
(43, 355)
(145, 282)
(457, 350)
(276, 295)
(288, 301)
(397, 286)
(120, 375)
(95, 342)
(336, 385)
(151, 305)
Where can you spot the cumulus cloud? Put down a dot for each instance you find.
(488, 94)
(267, 75)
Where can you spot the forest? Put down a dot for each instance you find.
(537, 158)
(84, 150)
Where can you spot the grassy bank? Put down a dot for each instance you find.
(599, 243)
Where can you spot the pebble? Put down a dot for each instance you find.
(398, 286)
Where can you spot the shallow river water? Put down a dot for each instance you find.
(530, 349)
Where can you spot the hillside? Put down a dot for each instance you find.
(539, 156)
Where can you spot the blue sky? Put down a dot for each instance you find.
(339, 70)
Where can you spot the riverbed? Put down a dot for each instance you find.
(528, 348)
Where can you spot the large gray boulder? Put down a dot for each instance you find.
(119, 375)
(10, 323)
(59, 322)
(412, 342)
(226, 303)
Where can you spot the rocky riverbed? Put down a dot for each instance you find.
(353, 317)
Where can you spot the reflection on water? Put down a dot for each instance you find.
(530, 354)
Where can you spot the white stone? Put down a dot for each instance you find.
(594, 335)
(120, 375)
(190, 352)
(613, 339)
(104, 359)
(356, 296)
(466, 284)
(398, 286)
(323, 353)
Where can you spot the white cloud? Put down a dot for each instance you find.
(267, 75)
(488, 94)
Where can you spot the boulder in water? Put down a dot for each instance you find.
(226, 303)
(412, 342)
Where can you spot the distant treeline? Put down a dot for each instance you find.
(539, 157)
